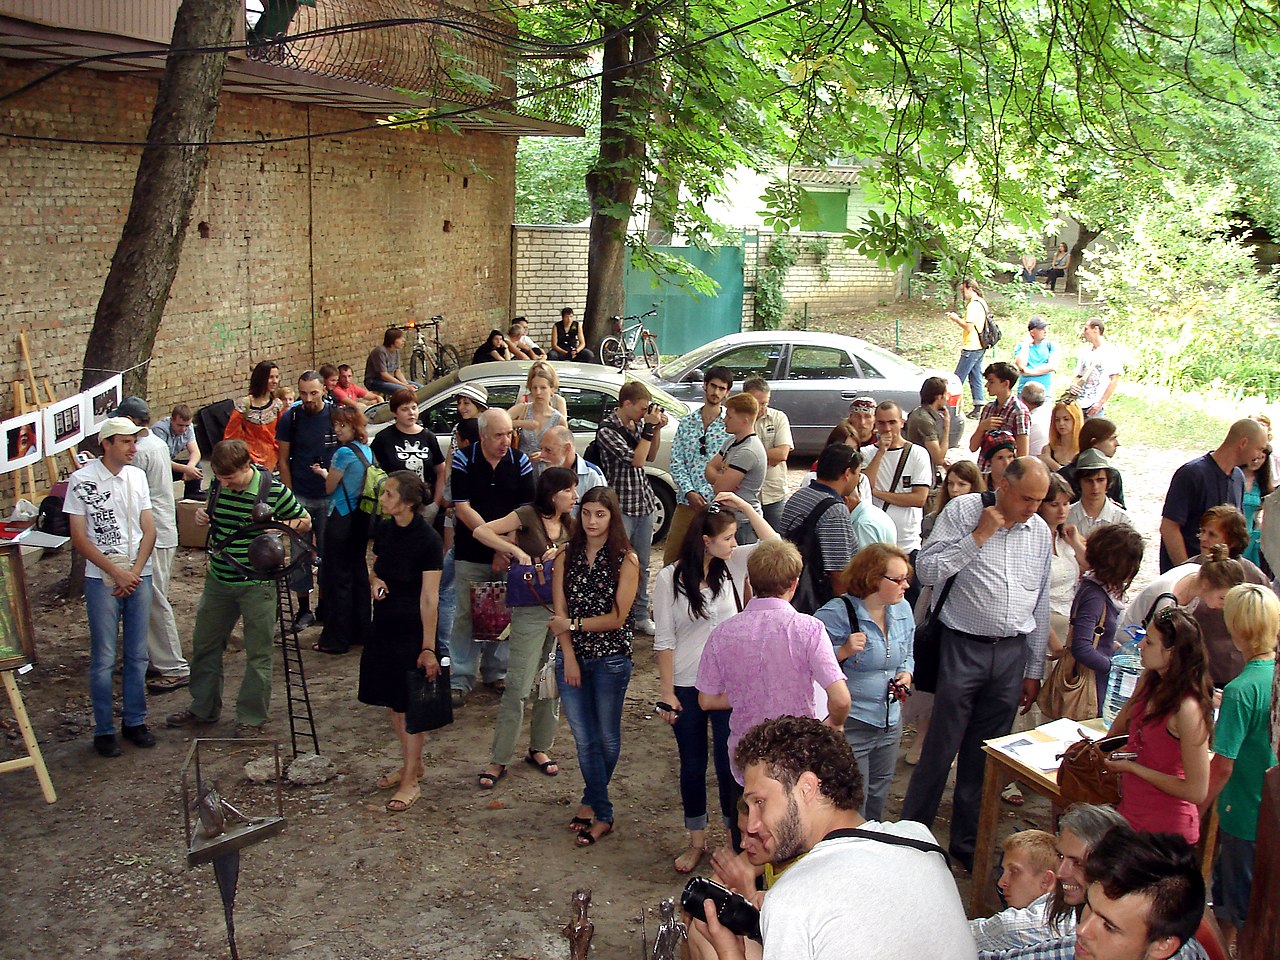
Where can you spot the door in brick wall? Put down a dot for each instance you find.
(685, 319)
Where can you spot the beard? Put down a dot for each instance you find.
(789, 834)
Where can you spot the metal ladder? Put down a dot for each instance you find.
(295, 676)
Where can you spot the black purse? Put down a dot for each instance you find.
(430, 702)
(927, 649)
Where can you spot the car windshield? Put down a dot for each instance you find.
(887, 359)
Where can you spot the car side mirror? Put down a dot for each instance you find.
(694, 376)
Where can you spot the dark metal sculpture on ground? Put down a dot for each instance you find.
(671, 932)
(579, 929)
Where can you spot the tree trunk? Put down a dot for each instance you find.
(146, 259)
(612, 184)
(1086, 236)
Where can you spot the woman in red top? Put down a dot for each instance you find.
(1169, 720)
(255, 416)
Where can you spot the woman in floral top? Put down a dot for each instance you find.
(593, 593)
(255, 416)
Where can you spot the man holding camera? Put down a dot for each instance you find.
(862, 888)
(629, 438)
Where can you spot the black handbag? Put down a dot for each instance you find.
(430, 702)
(927, 649)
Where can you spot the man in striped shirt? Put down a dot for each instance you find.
(230, 595)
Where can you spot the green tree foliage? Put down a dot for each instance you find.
(551, 179)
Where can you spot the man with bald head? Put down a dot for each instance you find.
(558, 450)
(489, 480)
(994, 633)
(1203, 483)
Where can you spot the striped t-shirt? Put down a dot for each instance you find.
(232, 510)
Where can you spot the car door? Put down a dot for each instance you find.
(814, 391)
(746, 361)
(902, 388)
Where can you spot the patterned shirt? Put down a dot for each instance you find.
(592, 589)
(617, 443)
(1021, 926)
(835, 535)
(1002, 587)
(1064, 948)
(691, 451)
(232, 509)
(1014, 417)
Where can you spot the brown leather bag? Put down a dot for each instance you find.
(1071, 689)
(1082, 775)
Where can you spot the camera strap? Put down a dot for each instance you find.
(897, 841)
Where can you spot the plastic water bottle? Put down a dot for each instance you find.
(1126, 668)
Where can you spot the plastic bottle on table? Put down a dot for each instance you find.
(1126, 668)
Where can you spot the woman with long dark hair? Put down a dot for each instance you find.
(705, 586)
(344, 575)
(494, 348)
(405, 590)
(1169, 720)
(541, 530)
(594, 590)
(1258, 483)
(254, 417)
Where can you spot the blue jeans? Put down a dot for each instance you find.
(318, 508)
(970, 368)
(594, 712)
(690, 729)
(640, 533)
(876, 751)
(105, 615)
(388, 387)
(772, 513)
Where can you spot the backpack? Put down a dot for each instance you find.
(51, 519)
(371, 487)
(592, 453)
(989, 335)
(815, 586)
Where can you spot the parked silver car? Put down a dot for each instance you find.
(812, 377)
(590, 392)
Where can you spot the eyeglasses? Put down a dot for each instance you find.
(900, 581)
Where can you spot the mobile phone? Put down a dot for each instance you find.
(1122, 755)
(663, 705)
(734, 911)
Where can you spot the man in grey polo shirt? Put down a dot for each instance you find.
(995, 630)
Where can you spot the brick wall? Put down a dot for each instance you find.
(851, 281)
(548, 272)
(300, 252)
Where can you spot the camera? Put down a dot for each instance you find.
(734, 911)
(653, 408)
(898, 690)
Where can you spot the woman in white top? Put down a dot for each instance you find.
(1066, 564)
(704, 587)
(1204, 579)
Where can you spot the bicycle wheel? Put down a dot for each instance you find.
(612, 354)
(649, 347)
(450, 360)
(418, 367)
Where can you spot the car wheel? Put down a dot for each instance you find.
(666, 509)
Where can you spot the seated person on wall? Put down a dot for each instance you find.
(382, 372)
(184, 453)
(344, 397)
(568, 341)
(521, 345)
(493, 349)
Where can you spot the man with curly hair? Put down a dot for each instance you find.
(862, 888)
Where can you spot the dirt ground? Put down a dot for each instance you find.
(464, 874)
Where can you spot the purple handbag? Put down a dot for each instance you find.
(529, 584)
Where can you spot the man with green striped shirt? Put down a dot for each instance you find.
(229, 596)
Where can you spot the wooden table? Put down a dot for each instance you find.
(1003, 769)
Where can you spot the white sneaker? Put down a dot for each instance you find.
(647, 626)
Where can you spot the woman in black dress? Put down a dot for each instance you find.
(406, 590)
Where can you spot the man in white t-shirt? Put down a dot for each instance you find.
(1098, 373)
(901, 474)
(862, 888)
(108, 506)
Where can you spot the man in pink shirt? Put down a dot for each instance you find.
(347, 391)
(769, 660)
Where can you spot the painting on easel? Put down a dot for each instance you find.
(102, 399)
(17, 639)
(64, 424)
(20, 441)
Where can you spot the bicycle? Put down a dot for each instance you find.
(620, 350)
(446, 359)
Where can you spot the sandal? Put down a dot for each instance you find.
(389, 781)
(545, 766)
(1012, 795)
(589, 838)
(329, 650)
(687, 861)
(578, 824)
(166, 683)
(489, 780)
(398, 804)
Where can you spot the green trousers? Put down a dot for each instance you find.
(221, 605)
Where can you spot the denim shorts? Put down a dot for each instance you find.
(1233, 878)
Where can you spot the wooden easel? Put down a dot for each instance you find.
(33, 757)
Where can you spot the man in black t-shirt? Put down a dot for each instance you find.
(489, 480)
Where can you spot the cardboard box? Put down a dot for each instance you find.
(190, 534)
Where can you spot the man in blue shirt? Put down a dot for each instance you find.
(305, 435)
(1036, 359)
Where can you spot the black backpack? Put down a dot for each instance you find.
(51, 519)
(989, 335)
(592, 453)
(815, 586)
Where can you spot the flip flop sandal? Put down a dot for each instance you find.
(488, 781)
(578, 824)
(399, 805)
(588, 839)
(333, 653)
(1012, 795)
(545, 766)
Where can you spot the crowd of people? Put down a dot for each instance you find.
(783, 625)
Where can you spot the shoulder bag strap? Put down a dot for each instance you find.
(853, 614)
(1151, 611)
(365, 462)
(897, 471)
(922, 845)
(737, 597)
(936, 609)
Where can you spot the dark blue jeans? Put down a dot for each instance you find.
(594, 712)
(690, 729)
(970, 368)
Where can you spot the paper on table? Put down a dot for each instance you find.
(1069, 731)
(1039, 754)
